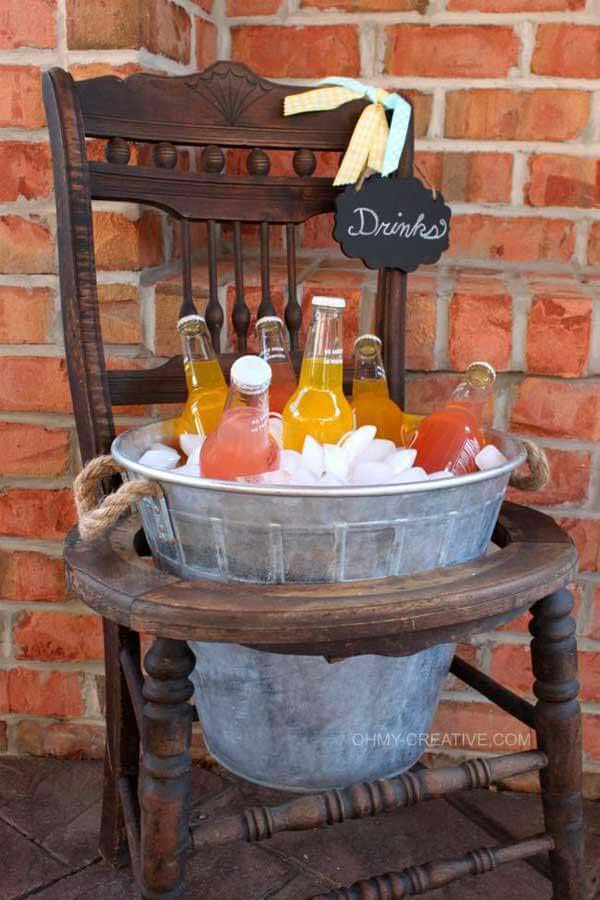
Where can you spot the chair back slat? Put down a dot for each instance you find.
(240, 315)
(293, 312)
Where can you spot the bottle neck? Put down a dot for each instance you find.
(252, 406)
(271, 343)
(471, 396)
(201, 366)
(322, 364)
(369, 372)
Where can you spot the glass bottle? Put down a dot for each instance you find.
(451, 437)
(242, 445)
(371, 399)
(207, 389)
(273, 349)
(318, 406)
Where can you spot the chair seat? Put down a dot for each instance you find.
(391, 616)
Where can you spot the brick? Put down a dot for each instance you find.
(122, 243)
(491, 6)
(206, 5)
(166, 29)
(591, 736)
(422, 105)
(3, 737)
(32, 449)
(558, 334)
(277, 51)
(63, 740)
(480, 727)
(25, 315)
(31, 576)
(511, 666)
(36, 513)
(428, 392)
(512, 239)
(119, 313)
(568, 483)
(26, 171)
(251, 7)
(502, 115)
(45, 693)
(26, 246)
(469, 177)
(98, 70)
(453, 51)
(21, 97)
(566, 50)
(4, 699)
(420, 322)
(594, 245)
(394, 6)
(480, 324)
(563, 181)
(103, 26)
(206, 43)
(593, 632)
(557, 409)
(586, 534)
(317, 234)
(20, 380)
(589, 675)
(31, 24)
(58, 637)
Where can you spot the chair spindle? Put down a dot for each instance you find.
(214, 313)
(240, 315)
(187, 307)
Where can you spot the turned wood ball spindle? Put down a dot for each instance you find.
(118, 151)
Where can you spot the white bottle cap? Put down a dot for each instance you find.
(251, 374)
(368, 337)
(264, 319)
(190, 324)
(331, 302)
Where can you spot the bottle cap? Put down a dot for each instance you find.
(329, 302)
(368, 337)
(264, 319)
(191, 324)
(251, 374)
(481, 373)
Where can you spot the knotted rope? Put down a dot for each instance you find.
(539, 469)
(95, 519)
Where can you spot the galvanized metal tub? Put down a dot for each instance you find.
(297, 721)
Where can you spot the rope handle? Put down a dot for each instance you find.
(539, 469)
(94, 518)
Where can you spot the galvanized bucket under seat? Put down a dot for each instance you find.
(300, 722)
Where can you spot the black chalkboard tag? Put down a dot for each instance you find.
(394, 223)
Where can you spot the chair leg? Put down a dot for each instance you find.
(558, 728)
(166, 766)
(122, 742)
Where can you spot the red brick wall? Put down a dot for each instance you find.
(507, 125)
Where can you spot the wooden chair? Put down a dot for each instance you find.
(228, 106)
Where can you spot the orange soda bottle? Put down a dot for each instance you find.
(318, 406)
(451, 437)
(371, 399)
(273, 349)
(207, 389)
(242, 444)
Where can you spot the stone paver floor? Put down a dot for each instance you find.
(50, 809)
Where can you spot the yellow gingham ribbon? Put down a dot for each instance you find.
(373, 145)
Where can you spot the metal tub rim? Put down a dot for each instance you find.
(511, 447)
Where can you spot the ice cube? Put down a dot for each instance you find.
(331, 480)
(189, 469)
(377, 451)
(160, 457)
(312, 456)
(437, 476)
(490, 458)
(277, 477)
(188, 442)
(409, 476)
(370, 473)
(194, 455)
(357, 442)
(336, 461)
(290, 461)
(401, 460)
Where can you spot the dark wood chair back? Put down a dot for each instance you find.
(226, 106)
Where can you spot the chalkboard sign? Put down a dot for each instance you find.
(394, 223)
